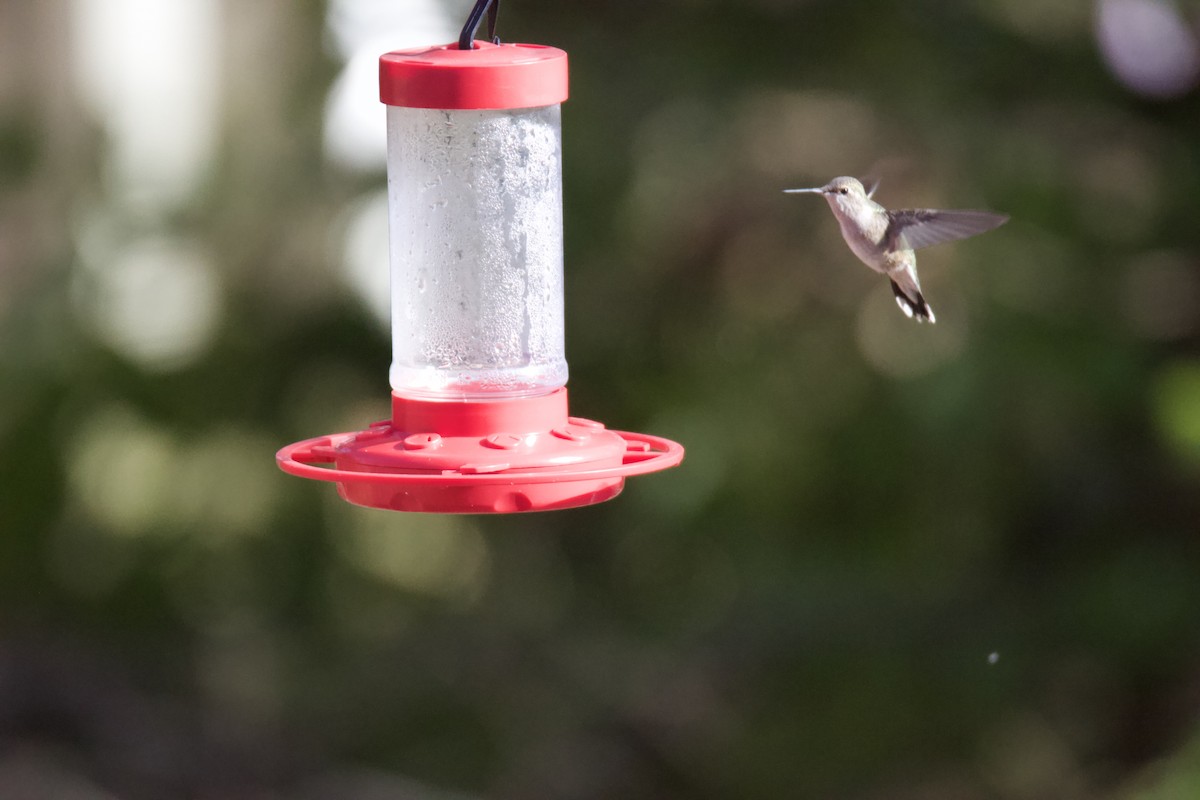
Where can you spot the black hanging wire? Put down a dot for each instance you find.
(466, 39)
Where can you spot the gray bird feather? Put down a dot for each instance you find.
(914, 228)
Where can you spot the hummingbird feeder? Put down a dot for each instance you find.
(479, 419)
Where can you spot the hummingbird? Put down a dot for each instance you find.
(885, 240)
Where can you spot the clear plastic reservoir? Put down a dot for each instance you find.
(475, 201)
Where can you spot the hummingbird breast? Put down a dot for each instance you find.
(864, 234)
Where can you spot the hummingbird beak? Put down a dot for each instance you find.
(803, 191)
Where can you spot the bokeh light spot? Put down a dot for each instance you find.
(1161, 296)
(134, 478)
(440, 556)
(364, 253)
(1176, 399)
(360, 31)
(1148, 46)
(155, 301)
(902, 348)
(223, 484)
(149, 72)
(120, 470)
(810, 134)
(1037, 20)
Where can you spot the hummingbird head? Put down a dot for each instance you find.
(843, 194)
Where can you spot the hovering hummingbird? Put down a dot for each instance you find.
(885, 240)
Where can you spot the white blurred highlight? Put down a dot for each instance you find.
(1148, 46)
(364, 255)
(361, 31)
(147, 70)
(155, 301)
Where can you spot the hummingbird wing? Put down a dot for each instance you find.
(914, 228)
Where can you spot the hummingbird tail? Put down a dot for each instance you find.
(914, 307)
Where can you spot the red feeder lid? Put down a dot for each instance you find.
(489, 76)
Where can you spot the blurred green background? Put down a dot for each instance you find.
(955, 562)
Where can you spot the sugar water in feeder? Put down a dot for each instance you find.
(476, 261)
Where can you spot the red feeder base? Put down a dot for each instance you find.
(480, 457)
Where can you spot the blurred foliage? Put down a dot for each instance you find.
(899, 561)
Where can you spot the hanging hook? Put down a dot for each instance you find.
(466, 39)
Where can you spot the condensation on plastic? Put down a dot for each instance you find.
(475, 204)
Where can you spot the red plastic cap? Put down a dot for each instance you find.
(489, 76)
